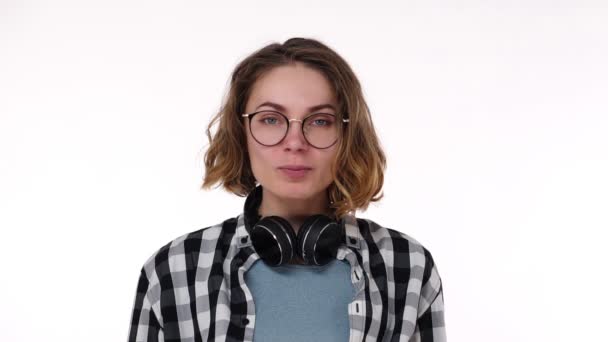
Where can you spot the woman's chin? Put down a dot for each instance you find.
(294, 191)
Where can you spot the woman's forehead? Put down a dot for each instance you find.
(292, 87)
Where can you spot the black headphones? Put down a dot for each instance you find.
(275, 241)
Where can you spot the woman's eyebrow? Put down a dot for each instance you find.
(282, 108)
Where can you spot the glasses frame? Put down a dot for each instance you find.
(251, 115)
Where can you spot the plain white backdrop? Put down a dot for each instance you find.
(493, 116)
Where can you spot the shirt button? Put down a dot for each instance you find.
(245, 321)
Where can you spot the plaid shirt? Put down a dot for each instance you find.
(192, 289)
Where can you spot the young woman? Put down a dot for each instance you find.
(295, 136)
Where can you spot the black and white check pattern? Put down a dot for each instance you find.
(193, 289)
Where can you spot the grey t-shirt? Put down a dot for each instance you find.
(301, 302)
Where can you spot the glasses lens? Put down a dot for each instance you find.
(321, 130)
(268, 128)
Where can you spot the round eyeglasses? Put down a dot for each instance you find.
(269, 128)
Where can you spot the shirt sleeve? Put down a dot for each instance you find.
(145, 326)
(430, 324)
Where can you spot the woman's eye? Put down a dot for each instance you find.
(269, 120)
(321, 122)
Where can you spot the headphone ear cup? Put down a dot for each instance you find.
(319, 239)
(274, 240)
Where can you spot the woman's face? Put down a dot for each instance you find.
(296, 88)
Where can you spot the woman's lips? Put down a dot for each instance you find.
(295, 173)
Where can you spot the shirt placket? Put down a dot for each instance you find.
(356, 308)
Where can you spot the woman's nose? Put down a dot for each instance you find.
(295, 137)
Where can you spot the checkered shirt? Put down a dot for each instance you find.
(193, 289)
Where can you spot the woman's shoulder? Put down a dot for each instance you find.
(384, 238)
(377, 231)
(170, 256)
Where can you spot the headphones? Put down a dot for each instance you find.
(275, 241)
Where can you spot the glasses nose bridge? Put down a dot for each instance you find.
(301, 121)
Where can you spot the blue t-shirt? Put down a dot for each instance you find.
(301, 302)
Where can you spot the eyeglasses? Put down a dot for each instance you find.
(269, 128)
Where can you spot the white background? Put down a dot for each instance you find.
(493, 116)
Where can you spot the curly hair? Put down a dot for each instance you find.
(359, 165)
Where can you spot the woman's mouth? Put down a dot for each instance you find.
(295, 172)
